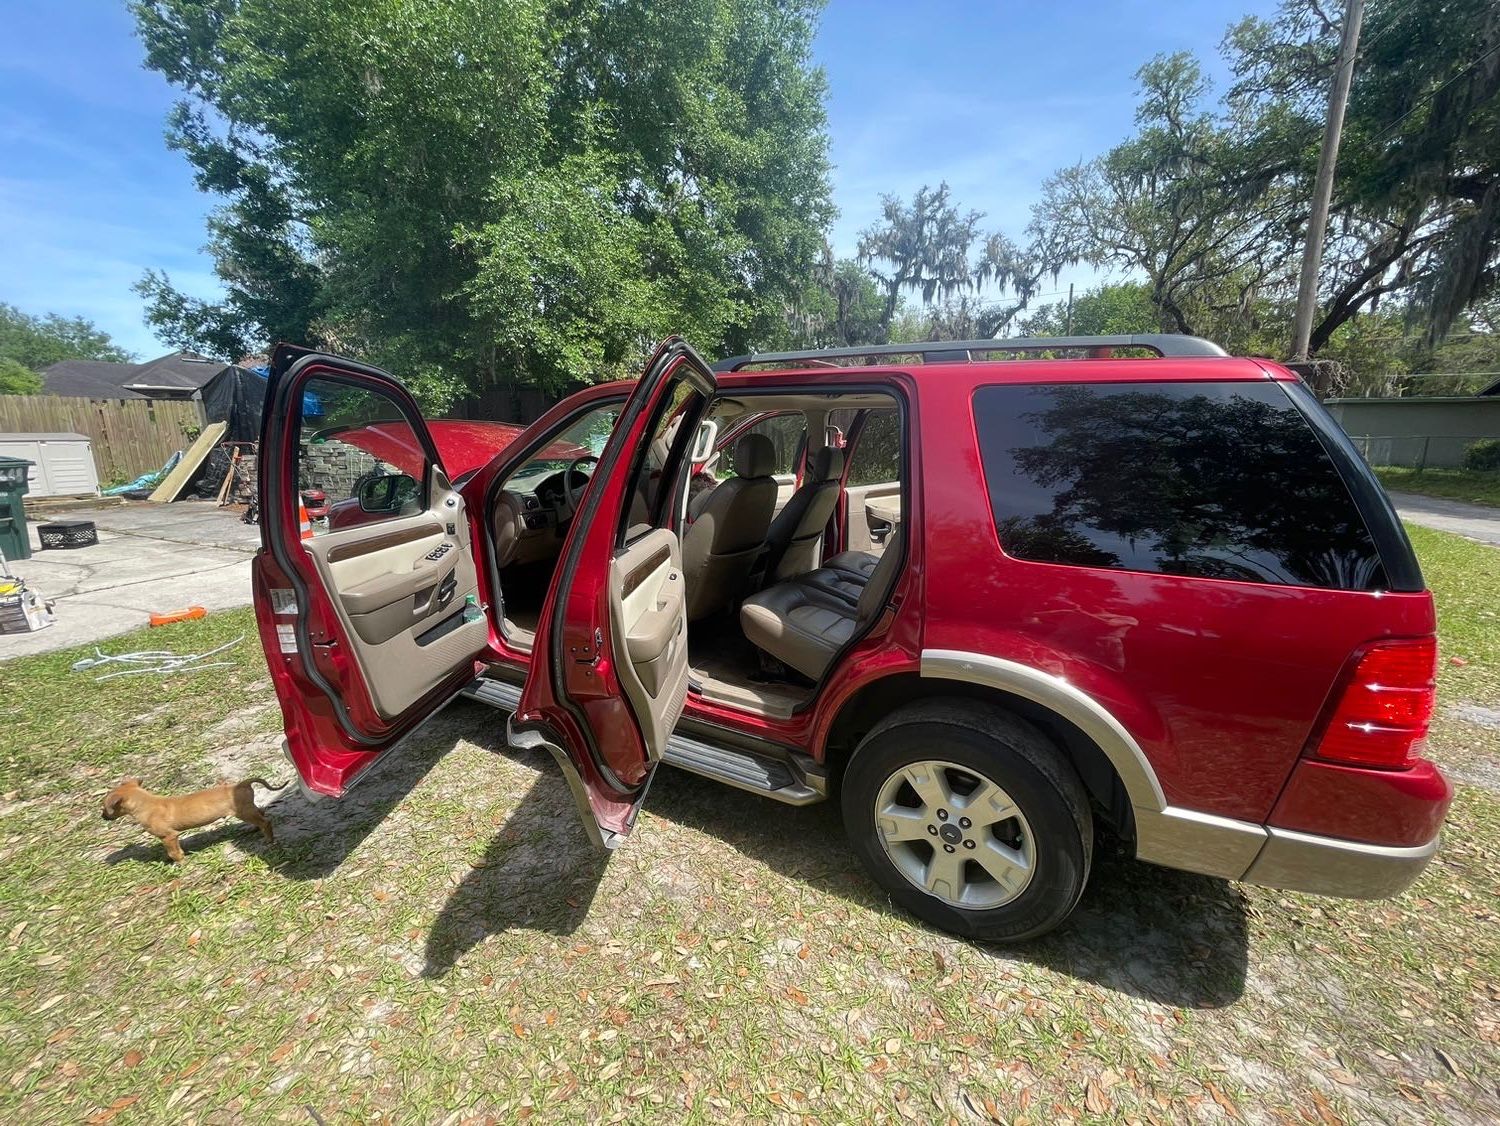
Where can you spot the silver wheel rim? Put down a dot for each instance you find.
(955, 834)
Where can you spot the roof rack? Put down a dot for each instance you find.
(962, 351)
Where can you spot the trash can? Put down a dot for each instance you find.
(13, 539)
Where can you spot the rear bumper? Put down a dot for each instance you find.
(1331, 866)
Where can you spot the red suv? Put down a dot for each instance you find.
(995, 596)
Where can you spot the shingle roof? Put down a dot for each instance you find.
(179, 371)
(89, 379)
(101, 379)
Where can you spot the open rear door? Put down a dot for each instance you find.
(365, 587)
(609, 674)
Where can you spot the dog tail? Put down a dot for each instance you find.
(267, 785)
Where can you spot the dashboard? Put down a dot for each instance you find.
(533, 512)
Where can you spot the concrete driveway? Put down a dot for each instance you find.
(1476, 521)
(150, 557)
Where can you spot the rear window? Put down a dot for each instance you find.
(1213, 480)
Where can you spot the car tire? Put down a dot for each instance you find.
(947, 746)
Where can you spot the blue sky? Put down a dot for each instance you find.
(988, 96)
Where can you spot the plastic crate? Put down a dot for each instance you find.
(67, 534)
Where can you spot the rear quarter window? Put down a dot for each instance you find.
(1210, 480)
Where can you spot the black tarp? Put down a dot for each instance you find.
(235, 397)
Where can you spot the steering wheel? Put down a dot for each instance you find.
(575, 492)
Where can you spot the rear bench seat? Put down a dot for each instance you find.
(859, 564)
(805, 621)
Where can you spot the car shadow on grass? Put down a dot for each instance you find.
(1162, 935)
(539, 872)
(1171, 937)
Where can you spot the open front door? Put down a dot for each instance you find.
(609, 674)
(366, 590)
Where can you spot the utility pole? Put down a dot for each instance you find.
(1069, 330)
(1317, 222)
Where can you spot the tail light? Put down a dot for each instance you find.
(1382, 713)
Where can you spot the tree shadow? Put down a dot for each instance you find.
(1166, 936)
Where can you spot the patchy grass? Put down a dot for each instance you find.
(1470, 485)
(444, 945)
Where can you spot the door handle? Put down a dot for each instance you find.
(446, 589)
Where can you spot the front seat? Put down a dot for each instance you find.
(727, 536)
(804, 625)
(793, 538)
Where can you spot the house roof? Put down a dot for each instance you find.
(178, 371)
(101, 379)
(89, 379)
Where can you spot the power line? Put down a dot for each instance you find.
(1384, 133)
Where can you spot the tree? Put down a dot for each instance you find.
(1416, 206)
(39, 342)
(18, 379)
(933, 249)
(840, 306)
(472, 191)
(925, 248)
(1161, 205)
(1208, 202)
(1108, 310)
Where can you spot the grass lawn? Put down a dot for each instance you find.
(1454, 484)
(442, 946)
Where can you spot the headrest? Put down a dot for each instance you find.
(754, 456)
(828, 464)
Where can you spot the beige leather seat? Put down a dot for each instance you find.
(729, 532)
(804, 625)
(793, 538)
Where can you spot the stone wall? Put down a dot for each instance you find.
(334, 467)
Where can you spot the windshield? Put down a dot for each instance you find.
(585, 436)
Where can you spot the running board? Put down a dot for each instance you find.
(743, 770)
(496, 693)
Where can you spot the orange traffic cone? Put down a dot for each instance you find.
(306, 524)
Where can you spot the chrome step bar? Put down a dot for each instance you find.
(788, 782)
(741, 769)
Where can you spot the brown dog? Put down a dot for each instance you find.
(164, 818)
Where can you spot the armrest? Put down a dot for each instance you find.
(649, 635)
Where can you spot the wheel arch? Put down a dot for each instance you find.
(1110, 763)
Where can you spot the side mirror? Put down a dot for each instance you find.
(388, 494)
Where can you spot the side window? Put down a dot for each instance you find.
(655, 473)
(876, 459)
(788, 433)
(1213, 480)
(359, 460)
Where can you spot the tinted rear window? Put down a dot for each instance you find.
(1213, 480)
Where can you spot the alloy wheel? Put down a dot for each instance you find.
(955, 834)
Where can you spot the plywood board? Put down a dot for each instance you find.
(183, 471)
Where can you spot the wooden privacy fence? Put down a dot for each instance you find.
(130, 436)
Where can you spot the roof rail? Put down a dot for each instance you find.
(962, 351)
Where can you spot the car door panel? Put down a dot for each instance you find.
(608, 679)
(648, 606)
(405, 610)
(862, 527)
